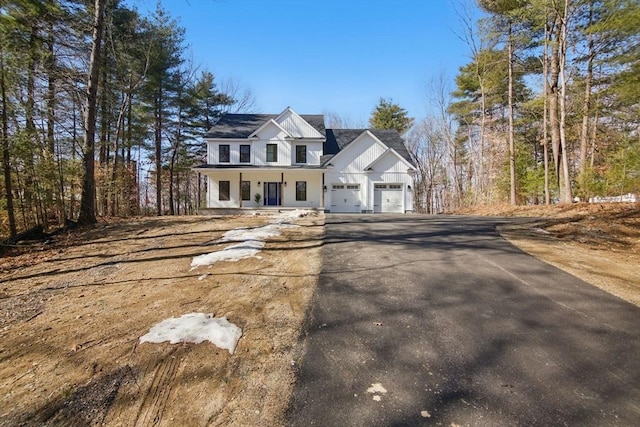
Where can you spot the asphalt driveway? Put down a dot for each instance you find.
(424, 320)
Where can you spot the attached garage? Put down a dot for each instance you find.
(388, 198)
(345, 198)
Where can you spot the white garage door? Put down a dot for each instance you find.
(345, 198)
(387, 198)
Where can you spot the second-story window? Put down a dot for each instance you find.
(245, 153)
(301, 154)
(272, 152)
(223, 153)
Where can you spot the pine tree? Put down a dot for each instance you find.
(388, 115)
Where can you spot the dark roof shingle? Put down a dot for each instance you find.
(243, 125)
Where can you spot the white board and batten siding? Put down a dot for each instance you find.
(296, 126)
(372, 178)
(362, 152)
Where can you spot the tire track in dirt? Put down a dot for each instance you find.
(157, 395)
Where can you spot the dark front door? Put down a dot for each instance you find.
(272, 193)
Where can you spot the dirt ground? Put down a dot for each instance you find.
(72, 313)
(599, 243)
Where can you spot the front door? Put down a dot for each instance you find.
(272, 194)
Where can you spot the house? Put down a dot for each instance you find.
(289, 160)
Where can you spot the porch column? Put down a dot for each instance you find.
(282, 187)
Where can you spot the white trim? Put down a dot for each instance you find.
(387, 151)
(318, 135)
(265, 124)
(340, 153)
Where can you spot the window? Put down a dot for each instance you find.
(223, 153)
(272, 152)
(245, 153)
(301, 190)
(223, 190)
(245, 189)
(301, 154)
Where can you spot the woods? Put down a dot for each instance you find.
(102, 110)
(101, 113)
(546, 111)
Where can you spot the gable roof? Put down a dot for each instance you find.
(338, 139)
(389, 151)
(269, 122)
(243, 125)
(294, 125)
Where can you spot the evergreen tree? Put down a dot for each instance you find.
(388, 115)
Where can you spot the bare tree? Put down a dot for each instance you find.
(333, 120)
(243, 97)
(427, 147)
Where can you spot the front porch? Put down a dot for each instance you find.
(255, 190)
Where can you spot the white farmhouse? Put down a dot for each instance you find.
(289, 160)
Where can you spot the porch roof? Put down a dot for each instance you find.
(257, 168)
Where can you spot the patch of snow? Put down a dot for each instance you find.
(195, 328)
(250, 240)
(291, 215)
(233, 253)
(258, 233)
(540, 230)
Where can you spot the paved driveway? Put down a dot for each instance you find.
(438, 321)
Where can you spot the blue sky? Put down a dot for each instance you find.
(324, 56)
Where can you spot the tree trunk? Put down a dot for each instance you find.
(6, 162)
(30, 127)
(87, 203)
(586, 107)
(512, 154)
(158, 148)
(554, 122)
(172, 166)
(104, 152)
(566, 196)
(50, 146)
(545, 124)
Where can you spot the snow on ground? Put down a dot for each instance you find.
(258, 233)
(242, 250)
(251, 239)
(291, 215)
(195, 328)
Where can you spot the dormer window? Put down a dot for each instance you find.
(224, 153)
(301, 154)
